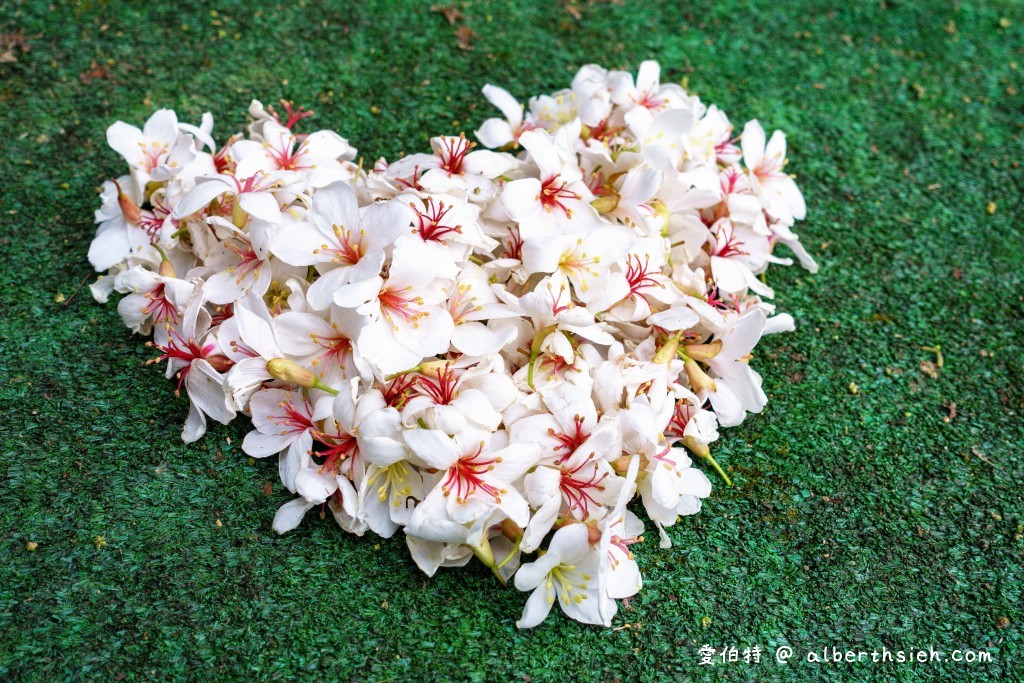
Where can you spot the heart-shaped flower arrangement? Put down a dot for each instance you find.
(495, 351)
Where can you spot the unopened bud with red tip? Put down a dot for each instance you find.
(129, 208)
(293, 373)
(511, 530)
(699, 380)
(220, 362)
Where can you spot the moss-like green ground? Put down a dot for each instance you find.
(865, 513)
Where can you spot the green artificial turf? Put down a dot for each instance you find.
(865, 512)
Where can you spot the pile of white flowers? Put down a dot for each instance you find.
(494, 351)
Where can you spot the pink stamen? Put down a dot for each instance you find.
(571, 441)
(576, 490)
(397, 391)
(293, 420)
(396, 303)
(726, 244)
(552, 194)
(442, 389)
(637, 274)
(514, 247)
(429, 223)
(680, 418)
(453, 153)
(294, 115)
(466, 476)
(159, 307)
(335, 449)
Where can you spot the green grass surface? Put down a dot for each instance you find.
(860, 517)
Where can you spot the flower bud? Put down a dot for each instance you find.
(511, 530)
(699, 380)
(238, 215)
(621, 463)
(703, 352)
(219, 362)
(129, 208)
(291, 372)
(698, 448)
(593, 533)
(433, 368)
(606, 204)
(667, 351)
(167, 269)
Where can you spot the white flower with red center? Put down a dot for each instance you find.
(153, 301)
(407, 317)
(357, 431)
(670, 487)
(690, 423)
(344, 243)
(738, 256)
(583, 487)
(321, 156)
(448, 221)
(198, 362)
(765, 164)
(285, 423)
(478, 471)
(646, 91)
(325, 346)
(452, 169)
(156, 152)
(470, 304)
(248, 196)
(649, 289)
(569, 430)
(242, 264)
(451, 395)
(496, 132)
(555, 201)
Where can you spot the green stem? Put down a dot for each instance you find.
(718, 468)
(317, 384)
(515, 547)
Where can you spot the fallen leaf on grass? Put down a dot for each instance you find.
(465, 35)
(96, 71)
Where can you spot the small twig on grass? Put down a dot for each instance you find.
(64, 304)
